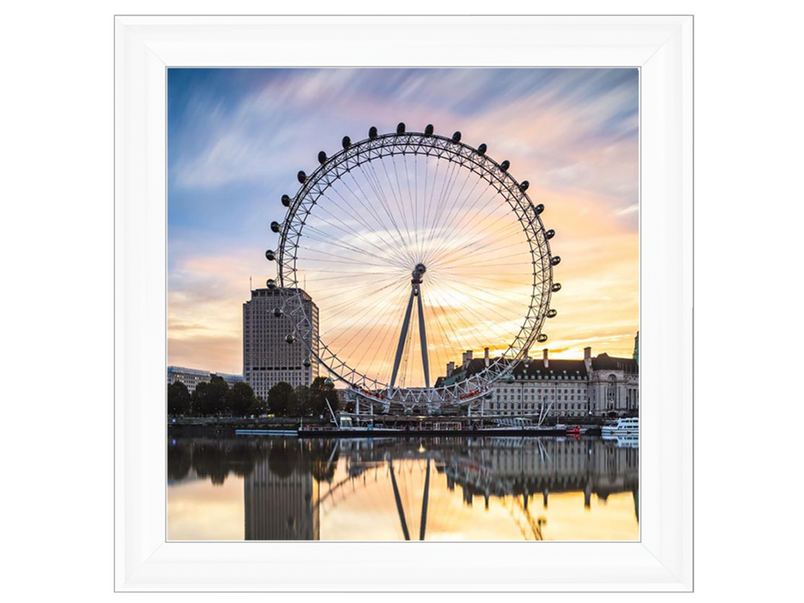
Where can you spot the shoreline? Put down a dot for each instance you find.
(389, 427)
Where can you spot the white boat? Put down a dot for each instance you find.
(629, 426)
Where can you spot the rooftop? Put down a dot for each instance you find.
(200, 373)
(534, 368)
(277, 291)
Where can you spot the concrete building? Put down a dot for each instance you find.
(192, 377)
(267, 356)
(596, 386)
(279, 507)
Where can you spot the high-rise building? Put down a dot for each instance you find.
(268, 358)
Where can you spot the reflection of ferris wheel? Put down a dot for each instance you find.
(412, 223)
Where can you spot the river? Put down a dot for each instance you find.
(516, 488)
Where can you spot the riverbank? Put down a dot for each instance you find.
(227, 426)
(410, 425)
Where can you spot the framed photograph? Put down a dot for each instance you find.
(410, 278)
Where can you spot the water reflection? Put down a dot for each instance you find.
(393, 489)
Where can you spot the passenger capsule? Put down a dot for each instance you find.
(482, 149)
(270, 256)
(306, 362)
(327, 381)
(541, 338)
(456, 137)
(428, 130)
(550, 234)
(523, 186)
(270, 283)
(552, 313)
(400, 128)
(346, 142)
(290, 338)
(539, 209)
(372, 132)
(285, 200)
(322, 157)
(505, 165)
(556, 287)
(556, 260)
(278, 312)
(274, 226)
(302, 177)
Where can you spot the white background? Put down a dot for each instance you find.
(56, 249)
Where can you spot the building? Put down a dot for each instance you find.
(192, 377)
(613, 384)
(598, 386)
(268, 358)
(280, 507)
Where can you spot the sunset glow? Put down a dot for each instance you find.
(237, 138)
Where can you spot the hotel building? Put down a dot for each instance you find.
(268, 358)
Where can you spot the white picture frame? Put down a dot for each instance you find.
(660, 46)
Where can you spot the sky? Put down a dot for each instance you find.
(237, 138)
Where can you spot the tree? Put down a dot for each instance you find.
(323, 392)
(304, 395)
(259, 406)
(240, 399)
(202, 402)
(179, 400)
(281, 398)
(294, 407)
(209, 398)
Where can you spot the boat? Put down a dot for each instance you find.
(348, 425)
(627, 426)
(267, 432)
(344, 427)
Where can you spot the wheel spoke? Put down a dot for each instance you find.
(416, 225)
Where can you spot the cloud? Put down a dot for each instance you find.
(237, 139)
(633, 208)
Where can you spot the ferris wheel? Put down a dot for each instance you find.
(419, 251)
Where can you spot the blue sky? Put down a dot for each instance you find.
(237, 137)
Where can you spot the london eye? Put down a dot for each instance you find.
(419, 251)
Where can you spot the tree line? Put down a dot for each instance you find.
(214, 398)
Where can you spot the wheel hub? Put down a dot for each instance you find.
(418, 273)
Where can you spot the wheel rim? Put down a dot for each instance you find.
(314, 207)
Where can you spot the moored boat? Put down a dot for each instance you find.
(626, 426)
(267, 432)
